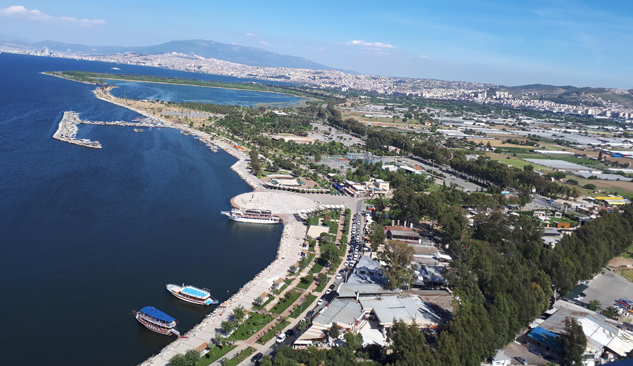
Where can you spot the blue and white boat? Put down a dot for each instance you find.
(157, 321)
(192, 294)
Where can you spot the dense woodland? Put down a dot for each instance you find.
(503, 278)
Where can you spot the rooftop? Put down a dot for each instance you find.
(341, 311)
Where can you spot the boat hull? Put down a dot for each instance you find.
(175, 291)
(154, 328)
(254, 221)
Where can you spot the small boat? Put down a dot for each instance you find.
(138, 130)
(115, 68)
(157, 321)
(192, 294)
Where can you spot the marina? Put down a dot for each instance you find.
(67, 131)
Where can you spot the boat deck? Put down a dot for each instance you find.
(194, 292)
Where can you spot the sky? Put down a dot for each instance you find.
(559, 42)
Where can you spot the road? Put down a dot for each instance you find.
(450, 178)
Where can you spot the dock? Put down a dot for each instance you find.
(68, 128)
(67, 131)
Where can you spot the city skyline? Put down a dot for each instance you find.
(560, 43)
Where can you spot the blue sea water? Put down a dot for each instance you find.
(87, 236)
(185, 93)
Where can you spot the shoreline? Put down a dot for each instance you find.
(205, 329)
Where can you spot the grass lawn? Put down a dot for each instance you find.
(214, 354)
(565, 220)
(270, 299)
(321, 286)
(333, 226)
(318, 266)
(303, 285)
(255, 322)
(271, 333)
(241, 357)
(521, 163)
(299, 309)
(284, 303)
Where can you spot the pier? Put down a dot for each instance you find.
(68, 128)
(67, 131)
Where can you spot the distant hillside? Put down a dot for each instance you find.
(572, 95)
(209, 49)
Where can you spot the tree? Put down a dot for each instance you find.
(590, 186)
(329, 252)
(377, 236)
(528, 168)
(594, 305)
(304, 324)
(190, 358)
(573, 342)
(266, 361)
(322, 278)
(334, 332)
(317, 156)
(354, 342)
(239, 313)
(227, 326)
(398, 269)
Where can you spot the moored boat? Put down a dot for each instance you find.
(252, 216)
(157, 321)
(192, 294)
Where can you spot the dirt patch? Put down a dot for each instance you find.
(620, 262)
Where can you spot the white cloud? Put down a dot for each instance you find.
(264, 43)
(251, 34)
(370, 44)
(18, 11)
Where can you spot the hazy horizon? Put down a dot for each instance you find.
(575, 43)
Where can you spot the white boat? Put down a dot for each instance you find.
(115, 68)
(192, 294)
(157, 321)
(252, 216)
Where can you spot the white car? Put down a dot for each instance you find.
(320, 302)
(339, 277)
(281, 338)
(328, 291)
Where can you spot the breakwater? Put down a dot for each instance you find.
(67, 131)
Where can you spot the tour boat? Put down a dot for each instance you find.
(157, 321)
(192, 294)
(252, 216)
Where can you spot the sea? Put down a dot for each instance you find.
(88, 235)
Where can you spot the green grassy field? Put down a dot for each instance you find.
(271, 333)
(255, 322)
(521, 163)
(306, 304)
(214, 354)
(284, 303)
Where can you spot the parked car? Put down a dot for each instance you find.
(339, 276)
(332, 287)
(536, 351)
(320, 302)
(328, 291)
(521, 360)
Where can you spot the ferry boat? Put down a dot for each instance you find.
(192, 294)
(157, 321)
(252, 216)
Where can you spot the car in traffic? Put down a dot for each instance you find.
(258, 357)
(281, 338)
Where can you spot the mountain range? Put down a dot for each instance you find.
(251, 56)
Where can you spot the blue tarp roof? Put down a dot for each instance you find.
(157, 314)
(545, 337)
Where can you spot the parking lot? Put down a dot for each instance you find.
(514, 350)
(608, 288)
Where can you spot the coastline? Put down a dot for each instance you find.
(292, 234)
